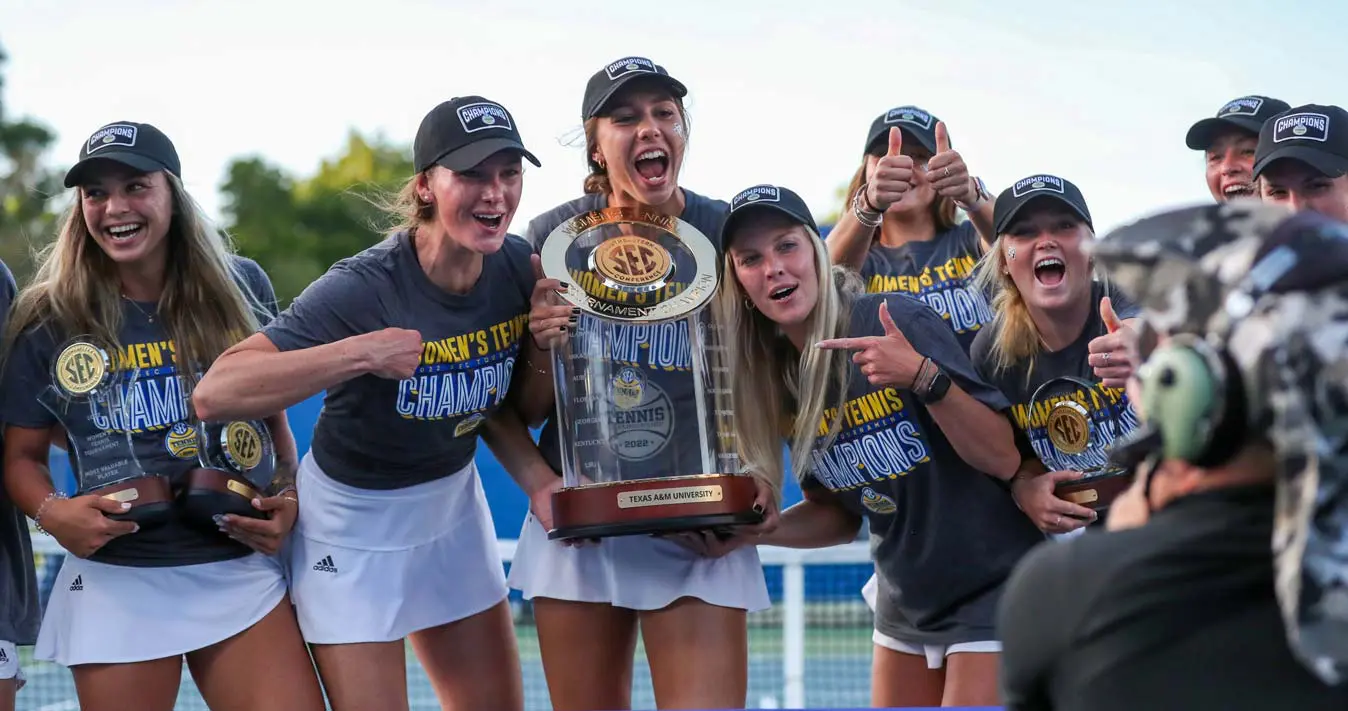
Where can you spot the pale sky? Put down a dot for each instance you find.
(1098, 93)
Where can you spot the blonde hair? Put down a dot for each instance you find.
(404, 210)
(943, 210)
(76, 288)
(1017, 337)
(761, 360)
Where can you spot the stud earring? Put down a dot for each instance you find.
(1011, 254)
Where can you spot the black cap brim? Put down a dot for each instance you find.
(1327, 163)
(134, 161)
(1202, 134)
(675, 87)
(759, 208)
(474, 153)
(1002, 224)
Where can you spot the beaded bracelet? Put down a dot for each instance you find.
(42, 509)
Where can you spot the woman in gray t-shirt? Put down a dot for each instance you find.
(1059, 348)
(590, 600)
(18, 583)
(417, 342)
(888, 424)
(898, 228)
(138, 294)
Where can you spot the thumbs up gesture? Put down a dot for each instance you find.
(892, 176)
(1112, 355)
(946, 171)
(889, 360)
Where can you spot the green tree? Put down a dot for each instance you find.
(26, 189)
(296, 229)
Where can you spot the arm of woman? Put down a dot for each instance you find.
(509, 441)
(849, 241)
(255, 379)
(819, 521)
(77, 524)
(332, 332)
(971, 415)
(980, 435)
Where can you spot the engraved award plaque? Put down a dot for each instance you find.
(238, 461)
(92, 394)
(643, 399)
(1081, 423)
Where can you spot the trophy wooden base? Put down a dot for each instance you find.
(646, 506)
(212, 492)
(1096, 491)
(151, 499)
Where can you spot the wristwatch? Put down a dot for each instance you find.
(940, 385)
(981, 195)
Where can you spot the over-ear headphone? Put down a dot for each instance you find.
(1194, 398)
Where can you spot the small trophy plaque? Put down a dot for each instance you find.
(238, 461)
(643, 398)
(89, 395)
(1077, 440)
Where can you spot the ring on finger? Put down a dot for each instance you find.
(1105, 356)
(946, 174)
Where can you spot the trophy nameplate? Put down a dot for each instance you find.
(89, 394)
(630, 466)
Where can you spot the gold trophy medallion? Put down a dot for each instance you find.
(1068, 428)
(242, 445)
(81, 368)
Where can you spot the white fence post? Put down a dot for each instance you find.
(793, 633)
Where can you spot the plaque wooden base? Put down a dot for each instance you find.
(212, 492)
(1096, 491)
(151, 499)
(645, 506)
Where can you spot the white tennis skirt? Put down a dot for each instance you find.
(634, 572)
(377, 565)
(101, 613)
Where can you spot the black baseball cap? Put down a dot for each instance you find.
(464, 131)
(1027, 190)
(766, 197)
(607, 81)
(139, 146)
(1314, 134)
(916, 124)
(1248, 113)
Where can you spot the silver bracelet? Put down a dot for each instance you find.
(42, 509)
(860, 210)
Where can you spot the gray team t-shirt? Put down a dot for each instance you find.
(379, 433)
(1063, 379)
(19, 615)
(944, 536)
(651, 365)
(153, 409)
(939, 272)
